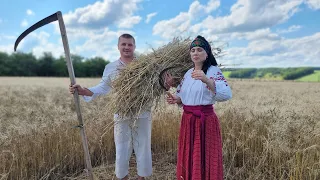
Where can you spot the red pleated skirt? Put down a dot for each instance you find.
(200, 145)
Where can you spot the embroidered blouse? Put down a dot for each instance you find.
(194, 92)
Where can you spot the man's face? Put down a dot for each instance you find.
(126, 47)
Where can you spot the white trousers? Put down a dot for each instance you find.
(137, 138)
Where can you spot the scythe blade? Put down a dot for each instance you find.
(39, 24)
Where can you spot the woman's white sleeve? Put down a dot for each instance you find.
(222, 89)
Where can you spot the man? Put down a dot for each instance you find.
(126, 138)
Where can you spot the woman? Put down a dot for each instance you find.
(200, 146)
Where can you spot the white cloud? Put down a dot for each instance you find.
(103, 13)
(6, 37)
(290, 29)
(246, 16)
(212, 5)
(258, 34)
(24, 23)
(182, 22)
(55, 49)
(173, 27)
(197, 10)
(150, 16)
(277, 53)
(313, 4)
(7, 45)
(264, 47)
(129, 22)
(250, 15)
(6, 48)
(38, 43)
(30, 12)
(88, 27)
(103, 44)
(90, 31)
(160, 42)
(249, 20)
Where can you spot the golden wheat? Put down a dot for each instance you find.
(271, 130)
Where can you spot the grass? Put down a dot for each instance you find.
(226, 73)
(270, 76)
(271, 130)
(315, 77)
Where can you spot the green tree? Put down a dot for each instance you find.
(243, 73)
(78, 67)
(4, 64)
(295, 73)
(21, 64)
(94, 67)
(60, 67)
(46, 67)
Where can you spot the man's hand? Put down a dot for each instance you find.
(81, 91)
(168, 80)
(199, 75)
(172, 99)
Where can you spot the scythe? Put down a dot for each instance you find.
(54, 17)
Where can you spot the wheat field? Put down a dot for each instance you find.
(271, 130)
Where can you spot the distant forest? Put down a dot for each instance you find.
(22, 64)
(26, 64)
(285, 73)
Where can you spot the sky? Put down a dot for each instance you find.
(252, 33)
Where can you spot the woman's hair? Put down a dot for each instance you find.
(211, 60)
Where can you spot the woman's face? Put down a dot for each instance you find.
(198, 54)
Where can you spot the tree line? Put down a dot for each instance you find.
(26, 64)
(285, 73)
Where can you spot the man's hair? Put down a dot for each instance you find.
(127, 36)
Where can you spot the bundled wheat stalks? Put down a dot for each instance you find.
(137, 86)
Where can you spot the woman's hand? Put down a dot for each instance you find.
(199, 75)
